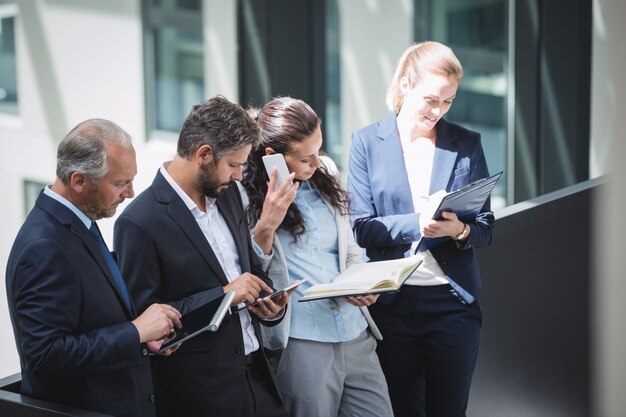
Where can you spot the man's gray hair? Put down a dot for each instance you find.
(84, 149)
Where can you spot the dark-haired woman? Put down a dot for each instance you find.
(328, 366)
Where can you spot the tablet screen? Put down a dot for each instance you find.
(200, 319)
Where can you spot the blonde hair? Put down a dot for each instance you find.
(416, 60)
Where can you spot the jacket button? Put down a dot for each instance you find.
(151, 398)
(240, 350)
(144, 352)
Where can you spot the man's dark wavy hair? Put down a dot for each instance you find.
(217, 122)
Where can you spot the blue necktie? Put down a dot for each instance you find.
(115, 270)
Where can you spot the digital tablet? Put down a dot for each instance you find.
(207, 317)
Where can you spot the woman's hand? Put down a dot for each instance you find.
(361, 300)
(277, 201)
(450, 225)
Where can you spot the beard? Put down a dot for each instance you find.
(95, 209)
(208, 182)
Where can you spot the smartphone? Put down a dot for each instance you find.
(277, 160)
(276, 293)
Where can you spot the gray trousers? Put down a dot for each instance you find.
(344, 379)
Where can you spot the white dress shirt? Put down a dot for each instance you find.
(418, 160)
(217, 233)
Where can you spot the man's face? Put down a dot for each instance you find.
(215, 177)
(103, 196)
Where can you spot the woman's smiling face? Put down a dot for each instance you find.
(429, 100)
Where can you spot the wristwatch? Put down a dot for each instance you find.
(463, 233)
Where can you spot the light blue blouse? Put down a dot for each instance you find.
(314, 256)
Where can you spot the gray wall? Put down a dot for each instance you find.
(535, 351)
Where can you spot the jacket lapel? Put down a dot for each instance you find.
(226, 210)
(446, 152)
(68, 219)
(180, 214)
(389, 149)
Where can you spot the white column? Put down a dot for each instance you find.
(373, 35)
(607, 153)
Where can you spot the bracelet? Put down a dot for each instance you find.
(463, 233)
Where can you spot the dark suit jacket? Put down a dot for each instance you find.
(76, 343)
(382, 213)
(166, 258)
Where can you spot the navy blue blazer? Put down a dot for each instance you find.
(382, 214)
(165, 257)
(73, 330)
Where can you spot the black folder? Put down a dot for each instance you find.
(207, 317)
(466, 203)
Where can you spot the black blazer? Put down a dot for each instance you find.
(76, 343)
(166, 258)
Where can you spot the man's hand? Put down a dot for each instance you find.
(247, 288)
(156, 322)
(267, 308)
(155, 345)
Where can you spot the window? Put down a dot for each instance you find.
(174, 61)
(477, 31)
(31, 192)
(334, 144)
(8, 79)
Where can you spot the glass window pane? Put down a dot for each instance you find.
(178, 75)
(477, 31)
(193, 5)
(31, 192)
(8, 79)
(333, 141)
(175, 66)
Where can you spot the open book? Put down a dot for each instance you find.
(366, 278)
(207, 317)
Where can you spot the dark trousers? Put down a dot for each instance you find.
(261, 397)
(429, 350)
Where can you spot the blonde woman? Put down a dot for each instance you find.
(431, 328)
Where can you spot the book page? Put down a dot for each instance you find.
(372, 272)
(352, 285)
(373, 277)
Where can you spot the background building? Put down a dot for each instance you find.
(542, 82)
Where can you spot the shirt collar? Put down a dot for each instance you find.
(82, 216)
(191, 205)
